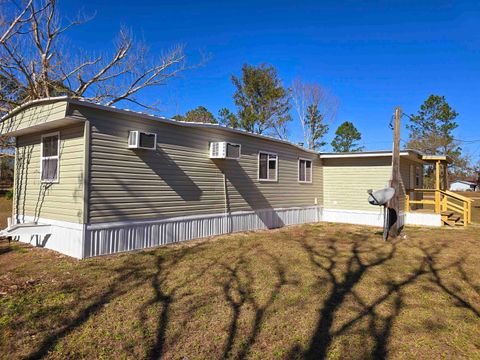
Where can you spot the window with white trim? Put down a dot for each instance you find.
(267, 166)
(304, 170)
(49, 165)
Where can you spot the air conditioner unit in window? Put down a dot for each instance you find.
(225, 150)
(142, 140)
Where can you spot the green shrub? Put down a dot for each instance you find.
(9, 194)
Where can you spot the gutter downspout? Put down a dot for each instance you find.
(86, 183)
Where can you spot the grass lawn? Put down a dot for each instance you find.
(312, 291)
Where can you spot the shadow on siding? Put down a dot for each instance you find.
(249, 191)
(168, 170)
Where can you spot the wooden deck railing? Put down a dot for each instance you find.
(444, 200)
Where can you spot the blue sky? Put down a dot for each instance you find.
(373, 55)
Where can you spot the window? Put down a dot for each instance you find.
(267, 166)
(50, 157)
(418, 177)
(304, 171)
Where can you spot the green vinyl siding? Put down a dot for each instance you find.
(179, 178)
(57, 201)
(346, 181)
(33, 116)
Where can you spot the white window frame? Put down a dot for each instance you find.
(57, 133)
(268, 169)
(311, 171)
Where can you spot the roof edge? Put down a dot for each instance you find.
(379, 153)
(86, 103)
(89, 104)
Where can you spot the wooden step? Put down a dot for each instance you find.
(449, 222)
(447, 213)
(459, 223)
(454, 218)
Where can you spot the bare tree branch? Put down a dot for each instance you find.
(13, 25)
(305, 95)
(41, 69)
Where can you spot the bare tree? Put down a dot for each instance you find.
(10, 27)
(316, 108)
(35, 61)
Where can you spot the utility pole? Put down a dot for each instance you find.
(394, 203)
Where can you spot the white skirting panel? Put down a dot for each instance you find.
(372, 218)
(359, 217)
(109, 238)
(415, 218)
(82, 241)
(65, 237)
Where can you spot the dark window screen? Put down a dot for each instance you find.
(233, 151)
(308, 171)
(147, 140)
(272, 167)
(263, 166)
(301, 173)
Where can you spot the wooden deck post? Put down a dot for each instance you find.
(470, 212)
(437, 187)
(445, 176)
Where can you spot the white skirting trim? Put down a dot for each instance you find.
(372, 218)
(65, 237)
(415, 218)
(375, 218)
(109, 238)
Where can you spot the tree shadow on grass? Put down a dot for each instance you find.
(343, 282)
(431, 255)
(165, 296)
(127, 276)
(239, 293)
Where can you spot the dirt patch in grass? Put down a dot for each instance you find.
(313, 291)
(5, 211)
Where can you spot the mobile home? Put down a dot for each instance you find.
(93, 180)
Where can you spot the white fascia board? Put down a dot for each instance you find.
(361, 155)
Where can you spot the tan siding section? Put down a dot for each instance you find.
(34, 115)
(178, 179)
(60, 201)
(346, 181)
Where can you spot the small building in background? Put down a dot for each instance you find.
(463, 185)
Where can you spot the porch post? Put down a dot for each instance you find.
(445, 173)
(437, 187)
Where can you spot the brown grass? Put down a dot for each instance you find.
(312, 291)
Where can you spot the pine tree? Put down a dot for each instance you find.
(346, 138)
(263, 103)
(431, 131)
